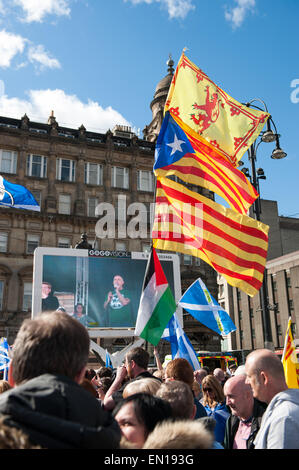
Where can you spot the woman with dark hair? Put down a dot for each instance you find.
(214, 403)
(138, 414)
(80, 315)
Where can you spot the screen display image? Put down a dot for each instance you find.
(99, 291)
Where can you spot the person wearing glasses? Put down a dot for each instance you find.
(214, 404)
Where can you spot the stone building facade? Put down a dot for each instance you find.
(283, 287)
(71, 171)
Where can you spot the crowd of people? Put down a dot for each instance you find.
(52, 401)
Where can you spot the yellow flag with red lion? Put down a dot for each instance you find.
(195, 100)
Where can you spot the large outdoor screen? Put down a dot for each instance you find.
(101, 289)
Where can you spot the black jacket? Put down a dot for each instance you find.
(57, 413)
(232, 425)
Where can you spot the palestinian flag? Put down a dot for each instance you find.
(157, 304)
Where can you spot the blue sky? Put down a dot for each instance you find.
(97, 63)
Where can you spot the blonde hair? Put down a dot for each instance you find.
(146, 385)
(213, 383)
(4, 385)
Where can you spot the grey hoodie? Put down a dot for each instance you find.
(280, 424)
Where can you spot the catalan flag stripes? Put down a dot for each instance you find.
(206, 167)
(235, 245)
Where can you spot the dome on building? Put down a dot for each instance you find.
(164, 84)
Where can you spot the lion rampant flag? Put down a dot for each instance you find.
(195, 100)
(289, 359)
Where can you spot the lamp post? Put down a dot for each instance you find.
(266, 137)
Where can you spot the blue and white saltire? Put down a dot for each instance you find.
(198, 301)
(4, 357)
(17, 196)
(179, 342)
(108, 360)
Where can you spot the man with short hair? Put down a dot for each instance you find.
(181, 369)
(49, 301)
(220, 375)
(135, 367)
(280, 423)
(50, 355)
(246, 414)
(180, 397)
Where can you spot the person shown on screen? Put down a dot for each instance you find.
(49, 301)
(118, 304)
(80, 315)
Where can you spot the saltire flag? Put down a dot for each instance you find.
(157, 303)
(234, 244)
(198, 301)
(108, 362)
(17, 196)
(195, 100)
(289, 359)
(5, 358)
(180, 343)
(192, 159)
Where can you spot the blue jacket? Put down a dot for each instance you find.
(221, 414)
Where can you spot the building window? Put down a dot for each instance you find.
(8, 161)
(64, 204)
(64, 242)
(93, 173)
(1, 294)
(37, 166)
(65, 170)
(187, 260)
(146, 247)
(3, 242)
(119, 177)
(145, 180)
(32, 243)
(37, 196)
(27, 296)
(120, 246)
(91, 206)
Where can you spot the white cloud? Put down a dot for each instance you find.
(40, 57)
(237, 14)
(10, 45)
(175, 8)
(36, 10)
(68, 110)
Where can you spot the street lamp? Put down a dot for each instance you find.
(265, 137)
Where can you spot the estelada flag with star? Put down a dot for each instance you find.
(195, 100)
(192, 159)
